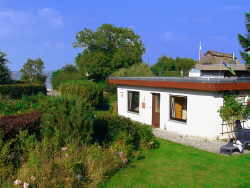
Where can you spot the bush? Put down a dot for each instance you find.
(67, 73)
(12, 125)
(18, 90)
(123, 133)
(20, 106)
(88, 91)
(74, 167)
(66, 120)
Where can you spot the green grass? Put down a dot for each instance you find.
(175, 165)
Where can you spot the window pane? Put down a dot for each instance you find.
(178, 108)
(133, 101)
(157, 103)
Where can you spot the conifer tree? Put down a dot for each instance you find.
(4, 71)
(245, 41)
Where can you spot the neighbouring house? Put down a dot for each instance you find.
(213, 57)
(211, 65)
(187, 106)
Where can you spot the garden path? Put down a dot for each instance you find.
(200, 143)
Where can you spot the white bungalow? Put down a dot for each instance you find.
(187, 106)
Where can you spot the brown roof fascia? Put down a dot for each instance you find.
(183, 85)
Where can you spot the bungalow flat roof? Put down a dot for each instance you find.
(192, 83)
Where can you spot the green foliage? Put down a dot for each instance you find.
(12, 154)
(106, 50)
(123, 133)
(167, 66)
(88, 91)
(245, 41)
(4, 71)
(32, 71)
(139, 69)
(84, 166)
(172, 74)
(74, 147)
(66, 120)
(18, 90)
(233, 110)
(67, 73)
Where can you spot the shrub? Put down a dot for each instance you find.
(84, 166)
(88, 91)
(12, 125)
(18, 90)
(67, 73)
(20, 106)
(123, 132)
(66, 120)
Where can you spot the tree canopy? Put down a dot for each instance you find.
(4, 71)
(106, 50)
(245, 41)
(140, 69)
(167, 66)
(32, 71)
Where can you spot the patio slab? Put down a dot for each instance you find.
(200, 143)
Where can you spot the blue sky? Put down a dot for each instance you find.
(47, 28)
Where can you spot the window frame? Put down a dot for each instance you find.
(129, 108)
(170, 109)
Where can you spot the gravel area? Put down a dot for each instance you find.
(200, 143)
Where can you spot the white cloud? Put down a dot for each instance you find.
(15, 22)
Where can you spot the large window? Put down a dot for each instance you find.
(178, 108)
(133, 101)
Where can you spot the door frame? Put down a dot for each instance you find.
(156, 115)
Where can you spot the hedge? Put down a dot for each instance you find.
(88, 91)
(11, 125)
(112, 128)
(18, 90)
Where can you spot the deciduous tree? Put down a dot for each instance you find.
(140, 69)
(106, 50)
(32, 71)
(167, 66)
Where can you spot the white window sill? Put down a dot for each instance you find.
(176, 121)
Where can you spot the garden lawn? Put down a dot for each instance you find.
(176, 165)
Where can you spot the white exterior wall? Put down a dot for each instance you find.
(203, 120)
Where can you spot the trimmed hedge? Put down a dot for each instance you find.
(12, 125)
(88, 91)
(18, 90)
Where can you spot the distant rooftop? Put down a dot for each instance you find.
(213, 57)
